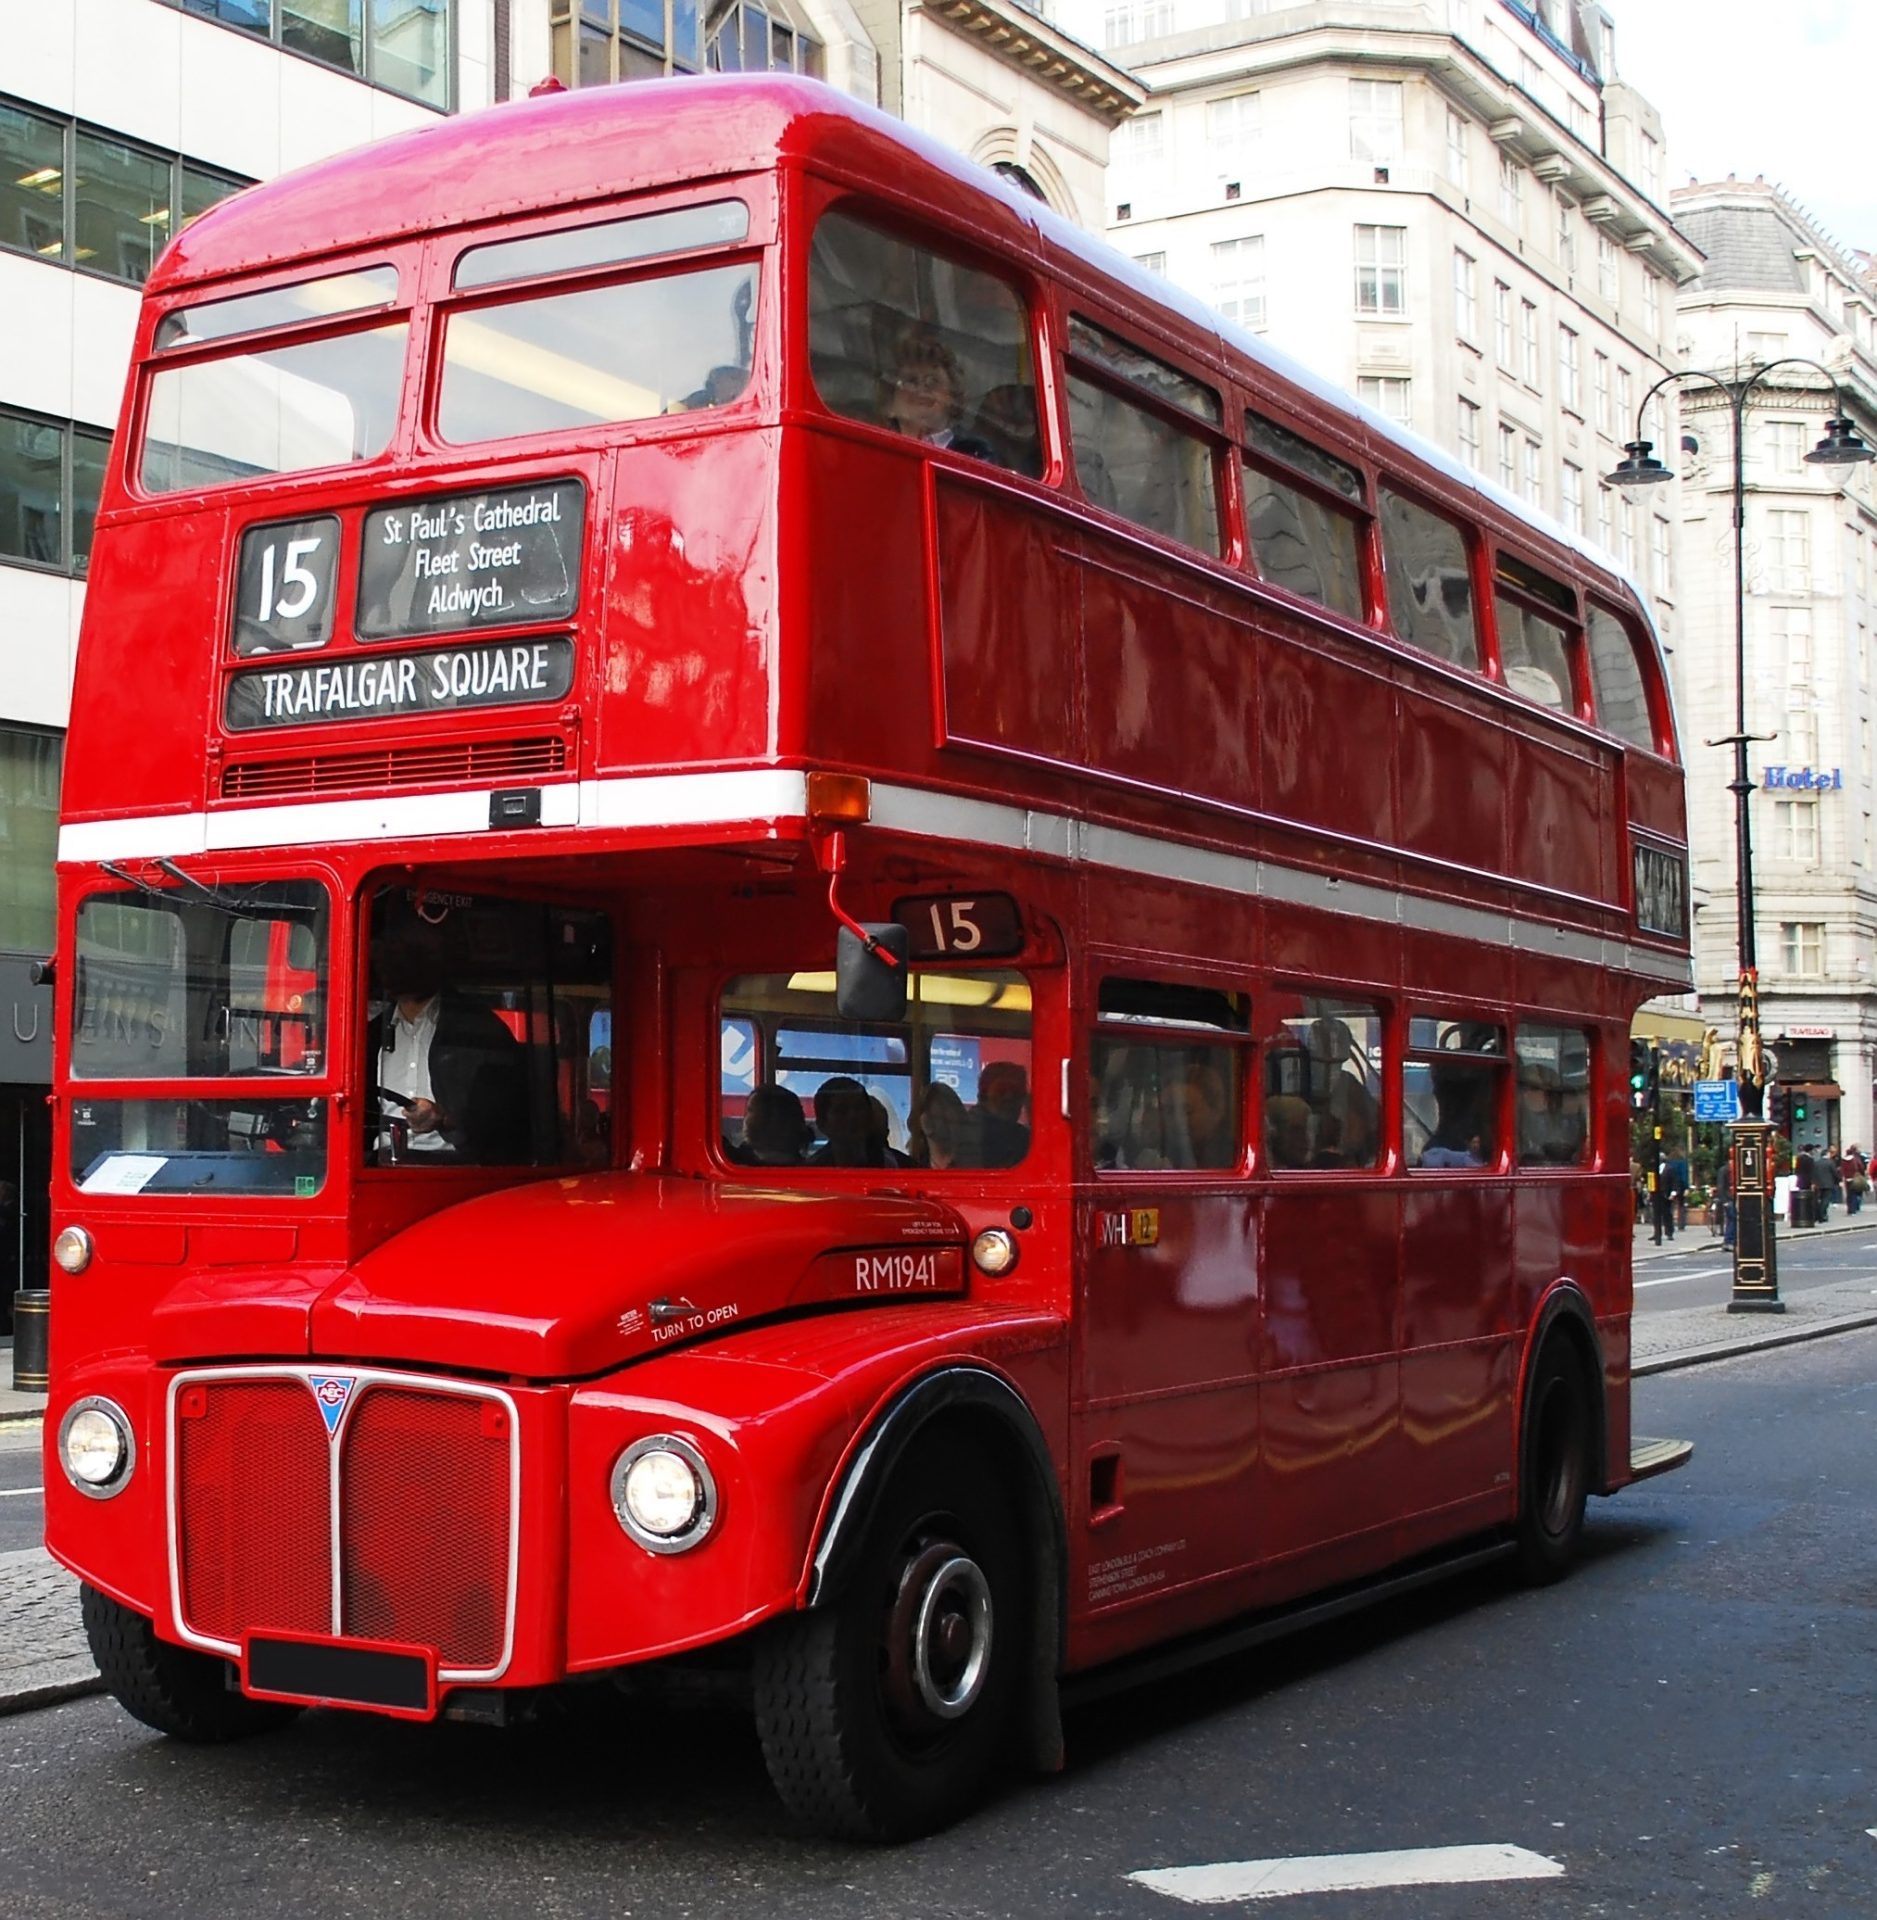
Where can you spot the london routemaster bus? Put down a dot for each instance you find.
(803, 933)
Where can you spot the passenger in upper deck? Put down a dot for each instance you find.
(926, 395)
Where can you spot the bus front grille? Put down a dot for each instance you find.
(370, 1506)
(420, 764)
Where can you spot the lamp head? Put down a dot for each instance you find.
(1638, 467)
(1842, 445)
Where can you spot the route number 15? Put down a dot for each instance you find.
(283, 592)
(980, 926)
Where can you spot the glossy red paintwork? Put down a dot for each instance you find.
(1306, 1376)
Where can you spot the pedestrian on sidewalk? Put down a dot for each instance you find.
(1676, 1175)
(1662, 1204)
(1856, 1184)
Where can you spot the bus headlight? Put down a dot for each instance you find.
(96, 1447)
(72, 1249)
(663, 1493)
(994, 1252)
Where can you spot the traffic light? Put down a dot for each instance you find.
(1642, 1072)
(1798, 1107)
(1779, 1108)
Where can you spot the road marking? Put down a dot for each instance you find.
(18, 1493)
(1346, 1873)
(1675, 1279)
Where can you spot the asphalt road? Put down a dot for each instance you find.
(1681, 1729)
(22, 1508)
(1700, 1272)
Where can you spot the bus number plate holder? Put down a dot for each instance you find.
(315, 1671)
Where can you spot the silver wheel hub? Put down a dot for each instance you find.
(951, 1633)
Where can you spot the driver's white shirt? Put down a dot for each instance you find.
(406, 1067)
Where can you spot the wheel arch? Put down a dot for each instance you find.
(1565, 1316)
(976, 1400)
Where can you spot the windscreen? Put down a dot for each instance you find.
(198, 985)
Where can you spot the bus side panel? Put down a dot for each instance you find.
(1561, 817)
(1330, 1394)
(1453, 780)
(1330, 738)
(1457, 1359)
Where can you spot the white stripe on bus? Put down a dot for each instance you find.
(713, 799)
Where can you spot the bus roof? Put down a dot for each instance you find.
(593, 144)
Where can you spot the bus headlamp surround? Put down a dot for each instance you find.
(663, 1494)
(72, 1249)
(97, 1447)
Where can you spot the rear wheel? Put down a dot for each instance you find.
(1554, 1479)
(883, 1714)
(173, 1689)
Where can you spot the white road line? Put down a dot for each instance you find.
(1346, 1873)
(1675, 1279)
(18, 1493)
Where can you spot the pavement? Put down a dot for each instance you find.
(43, 1656)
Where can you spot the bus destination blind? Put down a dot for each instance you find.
(496, 673)
(471, 560)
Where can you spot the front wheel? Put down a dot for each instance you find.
(1554, 1478)
(173, 1689)
(882, 1715)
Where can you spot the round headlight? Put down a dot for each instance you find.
(663, 1493)
(96, 1447)
(72, 1249)
(994, 1252)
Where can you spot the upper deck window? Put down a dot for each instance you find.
(1131, 457)
(719, 223)
(902, 337)
(593, 356)
(1536, 651)
(1303, 541)
(1622, 697)
(1430, 589)
(285, 409)
(323, 299)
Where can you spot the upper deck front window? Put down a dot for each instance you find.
(200, 984)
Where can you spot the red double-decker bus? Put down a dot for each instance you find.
(801, 931)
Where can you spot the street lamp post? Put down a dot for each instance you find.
(1756, 1274)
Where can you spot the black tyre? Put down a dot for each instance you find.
(1554, 1473)
(884, 1714)
(173, 1689)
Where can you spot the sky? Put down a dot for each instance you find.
(1749, 88)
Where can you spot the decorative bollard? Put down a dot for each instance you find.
(32, 1320)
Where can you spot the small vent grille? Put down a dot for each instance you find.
(435, 763)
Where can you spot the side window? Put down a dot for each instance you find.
(1430, 591)
(1451, 1082)
(1616, 679)
(1167, 1063)
(1554, 1097)
(1301, 539)
(1535, 652)
(1322, 1082)
(901, 337)
(1130, 456)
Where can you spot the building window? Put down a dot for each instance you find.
(1511, 191)
(1607, 282)
(1465, 295)
(1387, 394)
(1788, 444)
(1140, 147)
(1235, 131)
(1600, 390)
(1469, 434)
(1766, 346)
(76, 198)
(1502, 324)
(1802, 944)
(1528, 343)
(1508, 457)
(50, 475)
(1662, 555)
(1375, 120)
(1569, 394)
(1459, 170)
(1795, 830)
(405, 49)
(1238, 280)
(1626, 532)
(1652, 302)
(1153, 262)
(1382, 271)
(1651, 166)
(1534, 484)
(1625, 401)
(30, 761)
(1571, 488)
(1789, 551)
(1606, 518)
(1567, 235)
